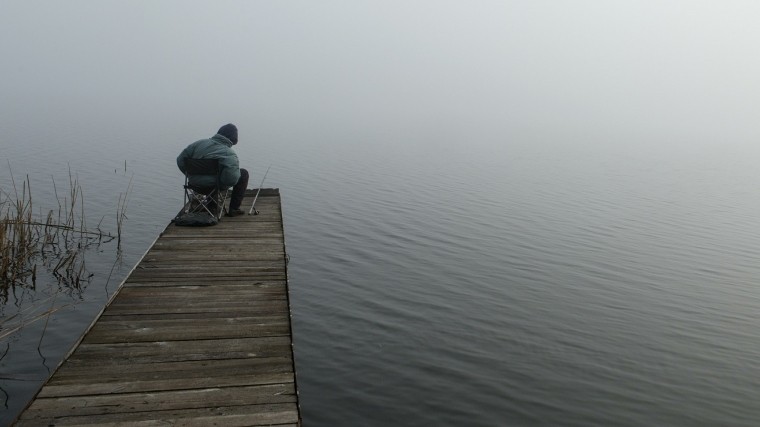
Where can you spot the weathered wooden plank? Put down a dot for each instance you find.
(241, 233)
(233, 302)
(128, 332)
(211, 268)
(270, 220)
(179, 277)
(73, 372)
(184, 247)
(191, 257)
(194, 282)
(250, 284)
(278, 415)
(239, 309)
(224, 253)
(196, 298)
(221, 290)
(246, 231)
(169, 321)
(100, 387)
(199, 294)
(248, 256)
(229, 235)
(221, 275)
(174, 351)
(191, 318)
(179, 246)
(114, 403)
(242, 268)
(202, 267)
(212, 244)
(227, 251)
(195, 306)
(179, 273)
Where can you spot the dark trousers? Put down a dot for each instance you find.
(238, 191)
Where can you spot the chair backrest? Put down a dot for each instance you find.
(202, 167)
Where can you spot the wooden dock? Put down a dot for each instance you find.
(198, 334)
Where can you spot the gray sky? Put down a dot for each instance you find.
(677, 69)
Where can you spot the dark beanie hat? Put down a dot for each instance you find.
(230, 131)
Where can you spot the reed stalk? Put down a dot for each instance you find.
(121, 209)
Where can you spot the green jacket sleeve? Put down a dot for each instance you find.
(185, 154)
(230, 169)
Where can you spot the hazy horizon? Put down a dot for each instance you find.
(678, 71)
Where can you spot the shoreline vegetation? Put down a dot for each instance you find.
(48, 248)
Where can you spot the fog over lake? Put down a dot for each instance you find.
(497, 212)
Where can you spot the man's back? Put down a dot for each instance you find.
(216, 147)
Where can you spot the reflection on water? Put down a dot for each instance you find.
(521, 283)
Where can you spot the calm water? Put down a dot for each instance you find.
(456, 280)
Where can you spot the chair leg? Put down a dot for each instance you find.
(212, 203)
(223, 202)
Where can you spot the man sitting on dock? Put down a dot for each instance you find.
(219, 147)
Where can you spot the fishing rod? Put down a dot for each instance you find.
(253, 211)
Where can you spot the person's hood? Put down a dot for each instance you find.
(222, 140)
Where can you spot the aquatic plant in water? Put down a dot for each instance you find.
(52, 243)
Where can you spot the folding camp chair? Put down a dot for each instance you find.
(205, 199)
